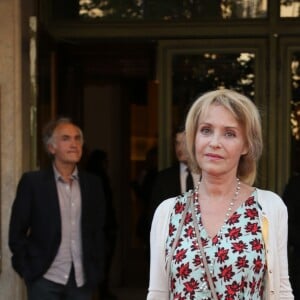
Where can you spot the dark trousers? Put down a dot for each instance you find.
(43, 289)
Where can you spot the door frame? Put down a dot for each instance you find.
(168, 48)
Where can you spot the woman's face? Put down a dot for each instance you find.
(219, 142)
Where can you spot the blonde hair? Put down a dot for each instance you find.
(247, 115)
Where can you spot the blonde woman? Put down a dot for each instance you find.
(225, 239)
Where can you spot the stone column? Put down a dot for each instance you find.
(11, 154)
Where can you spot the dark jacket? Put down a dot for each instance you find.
(167, 185)
(35, 225)
(291, 198)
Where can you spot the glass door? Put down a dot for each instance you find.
(186, 69)
(290, 98)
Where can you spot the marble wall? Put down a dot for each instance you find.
(11, 134)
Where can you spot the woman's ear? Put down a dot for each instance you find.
(245, 151)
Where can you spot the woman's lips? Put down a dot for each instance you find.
(212, 155)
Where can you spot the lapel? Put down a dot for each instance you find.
(82, 184)
(48, 191)
(49, 187)
(84, 191)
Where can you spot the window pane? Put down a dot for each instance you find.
(295, 113)
(244, 9)
(172, 10)
(196, 74)
(289, 9)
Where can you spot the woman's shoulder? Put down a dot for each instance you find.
(166, 206)
(269, 199)
(268, 194)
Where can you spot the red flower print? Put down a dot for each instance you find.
(180, 255)
(261, 287)
(222, 255)
(234, 219)
(195, 245)
(171, 229)
(204, 242)
(242, 262)
(188, 218)
(252, 286)
(252, 228)
(258, 265)
(179, 208)
(215, 240)
(189, 232)
(233, 233)
(239, 247)
(177, 296)
(250, 201)
(197, 260)
(251, 213)
(178, 243)
(183, 271)
(243, 284)
(173, 283)
(235, 277)
(170, 245)
(226, 273)
(190, 287)
(259, 282)
(232, 289)
(256, 245)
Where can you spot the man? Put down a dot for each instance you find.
(173, 181)
(56, 227)
(291, 198)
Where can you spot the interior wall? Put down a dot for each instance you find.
(101, 102)
(102, 129)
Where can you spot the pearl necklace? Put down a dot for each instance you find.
(236, 193)
(204, 285)
(232, 202)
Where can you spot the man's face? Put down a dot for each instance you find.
(66, 146)
(180, 147)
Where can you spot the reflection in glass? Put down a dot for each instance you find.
(289, 8)
(194, 74)
(295, 113)
(295, 102)
(94, 9)
(172, 10)
(244, 9)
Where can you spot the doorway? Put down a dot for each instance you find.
(112, 95)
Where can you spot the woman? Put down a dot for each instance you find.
(242, 229)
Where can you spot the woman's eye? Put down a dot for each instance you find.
(230, 134)
(205, 130)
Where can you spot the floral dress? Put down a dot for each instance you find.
(236, 255)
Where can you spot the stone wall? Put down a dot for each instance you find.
(11, 154)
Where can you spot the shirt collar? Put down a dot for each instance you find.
(183, 167)
(58, 176)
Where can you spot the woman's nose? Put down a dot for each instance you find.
(215, 141)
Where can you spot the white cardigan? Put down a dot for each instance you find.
(273, 218)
